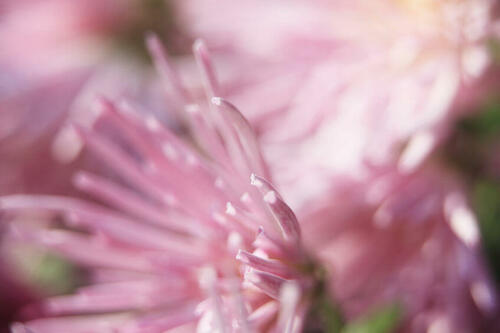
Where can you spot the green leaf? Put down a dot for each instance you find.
(486, 201)
(494, 49)
(49, 273)
(382, 320)
(485, 124)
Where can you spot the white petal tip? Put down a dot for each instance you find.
(254, 180)
(230, 210)
(270, 197)
(198, 45)
(216, 101)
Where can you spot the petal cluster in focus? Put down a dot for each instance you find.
(190, 236)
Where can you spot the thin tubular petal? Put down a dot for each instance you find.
(289, 300)
(163, 66)
(282, 213)
(205, 65)
(134, 204)
(269, 284)
(245, 136)
(263, 314)
(266, 265)
(100, 219)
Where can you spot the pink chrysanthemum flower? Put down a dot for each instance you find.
(411, 238)
(189, 237)
(390, 71)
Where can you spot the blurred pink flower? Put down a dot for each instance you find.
(406, 238)
(192, 239)
(53, 62)
(29, 122)
(47, 58)
(48, 34)
(342, 86)
(31, 113)
(53, 59)
(346, 82)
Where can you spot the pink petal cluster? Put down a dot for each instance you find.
(346, 84)
(53, 63)
(361, 77)
(47, 57)
(185, 236)
(32, 110)
(52, 58)
(29, 122)
(411, 239)
(190, 237)
(49, 34)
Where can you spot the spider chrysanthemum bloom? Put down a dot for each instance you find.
(390, 71)
(189, 236)
(411, 238)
